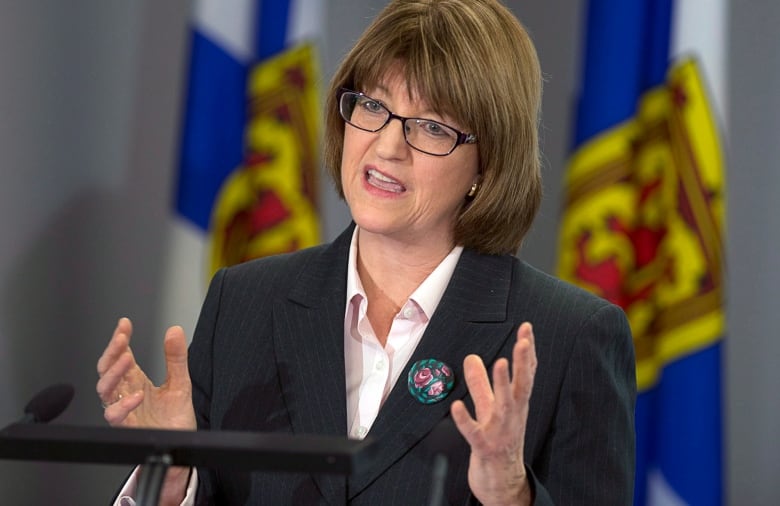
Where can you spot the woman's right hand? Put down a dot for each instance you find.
(130, 399)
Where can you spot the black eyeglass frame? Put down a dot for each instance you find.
(462, 138)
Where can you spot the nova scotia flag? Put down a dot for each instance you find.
(247, 175)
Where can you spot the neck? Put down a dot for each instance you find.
(390, 272)
(398, 267)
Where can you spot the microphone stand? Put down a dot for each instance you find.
(438, 477)
(157, 450)
(152, 477)
(440, 442)
(32, 439)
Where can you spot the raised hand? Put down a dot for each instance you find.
(130, 399)
(496, 470)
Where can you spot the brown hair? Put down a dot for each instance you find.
(471, 60)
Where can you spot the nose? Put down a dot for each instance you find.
(391, 142)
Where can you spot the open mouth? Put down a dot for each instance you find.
(383, 182)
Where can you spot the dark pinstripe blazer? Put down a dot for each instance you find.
(268, 355)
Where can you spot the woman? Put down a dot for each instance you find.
(431, 138)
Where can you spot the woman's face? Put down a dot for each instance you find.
(395, 190)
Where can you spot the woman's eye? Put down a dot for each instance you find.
(372, 106)
(432, 128)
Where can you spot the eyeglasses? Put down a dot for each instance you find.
(425, 135)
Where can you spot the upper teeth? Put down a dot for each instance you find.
(380, 176)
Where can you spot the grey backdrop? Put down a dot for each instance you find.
(90, 98)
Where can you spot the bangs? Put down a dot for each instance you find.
(426, 64)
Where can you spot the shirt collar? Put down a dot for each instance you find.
(427, 295)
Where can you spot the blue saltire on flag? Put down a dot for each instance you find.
(247, 179)
(216, 111)
(678, 413)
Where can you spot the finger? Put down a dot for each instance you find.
(524, 363)
(478, 385)
(466, 425)
(110, 380)
(502, 390)
(472, 430)
(178, 375)
(120, 341)
(116, 414)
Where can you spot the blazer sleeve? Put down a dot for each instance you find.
(590, 455)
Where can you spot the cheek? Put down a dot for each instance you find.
(352, 152)
(347, 176)
(459, 175)
(355, 142)
(471, 163)
(347, 157)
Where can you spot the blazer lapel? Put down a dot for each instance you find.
(309, 343)
(471, 318)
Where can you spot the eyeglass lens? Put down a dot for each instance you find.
(424, 135)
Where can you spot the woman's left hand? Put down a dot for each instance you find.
(496, 469)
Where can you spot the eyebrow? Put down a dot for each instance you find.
(420, 115)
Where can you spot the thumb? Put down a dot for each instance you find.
(178, 375)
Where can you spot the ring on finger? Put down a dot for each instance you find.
(107, 404)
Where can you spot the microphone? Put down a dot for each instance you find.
(48, 404)
(440, 443)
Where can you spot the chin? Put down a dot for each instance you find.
(374, 225)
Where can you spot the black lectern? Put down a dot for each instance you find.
(158, 449)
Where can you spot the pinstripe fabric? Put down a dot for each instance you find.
(268, 356)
